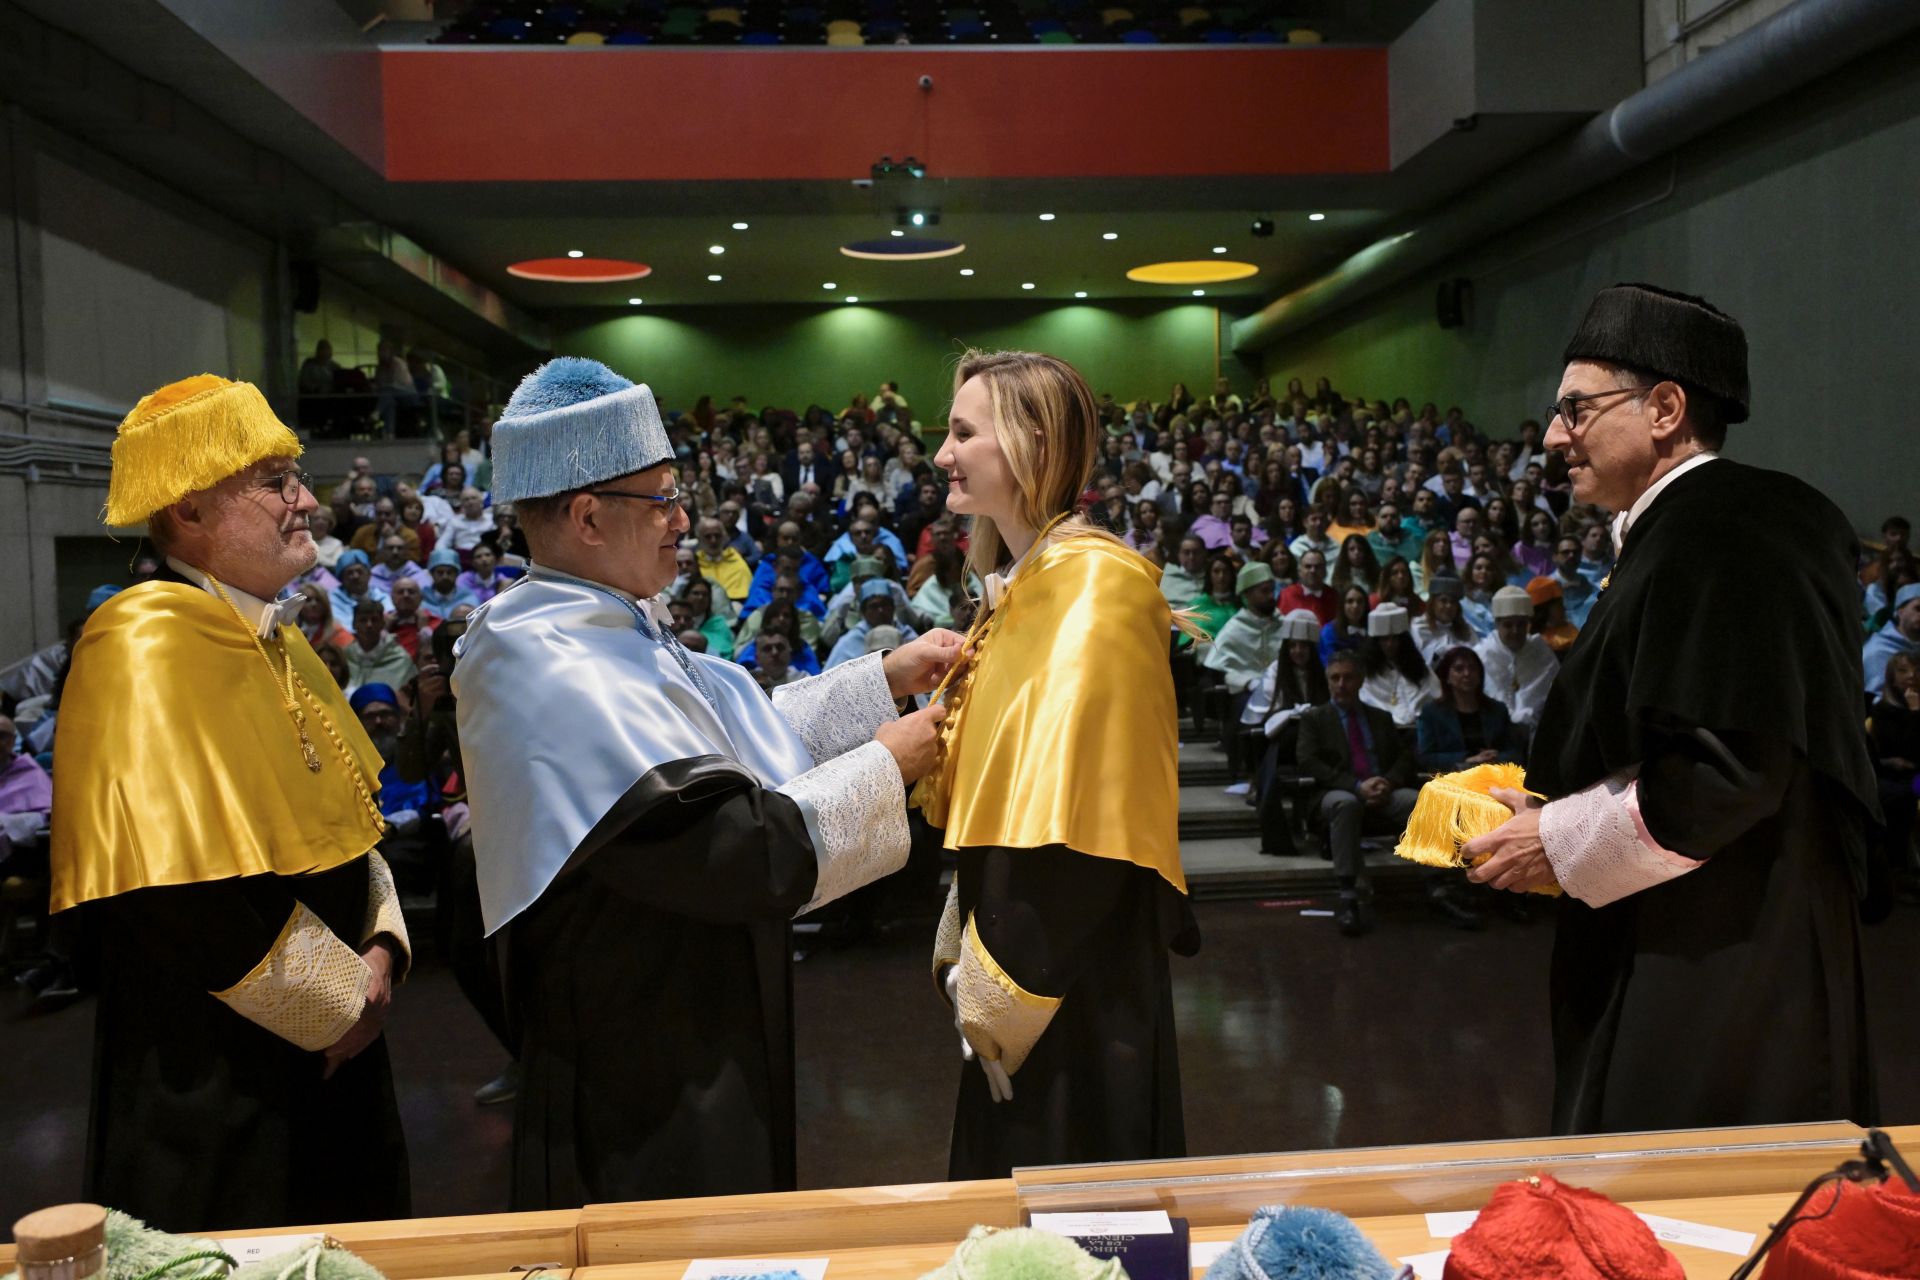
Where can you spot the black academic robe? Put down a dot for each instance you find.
(1733, 994)
(202, 1120)
(1103, 1081)
(650, 989)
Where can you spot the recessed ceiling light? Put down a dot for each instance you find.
(633, 302)
(1219, 248)
(897, 232)
(1197, 271)
(576, 253)
(1046, 217)
(1316, 217)
(851, 298)
(1109, 235)
(1199, 293)
(739, 226)
(829, 285)
(1079, 293)
(713, 279)
(1027, 285)
(720, 248)
(966, 271)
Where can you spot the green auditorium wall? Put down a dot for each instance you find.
(796, 355)
(1798, 220)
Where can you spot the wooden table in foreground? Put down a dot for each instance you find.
(1740, 1179)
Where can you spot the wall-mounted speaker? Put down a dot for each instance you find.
(1451, 302)
(305, 279)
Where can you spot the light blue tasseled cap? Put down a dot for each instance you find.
(572, 423)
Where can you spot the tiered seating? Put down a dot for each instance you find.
(847, 23)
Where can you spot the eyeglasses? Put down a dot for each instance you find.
(668, 501)
(1567, 407)
(289, 483)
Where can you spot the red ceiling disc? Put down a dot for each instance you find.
(579, 270)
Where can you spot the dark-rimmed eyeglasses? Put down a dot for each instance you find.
(668, 501)
(1567, 407)
(289, 483)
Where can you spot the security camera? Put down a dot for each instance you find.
(1262, 227)
(926, 83)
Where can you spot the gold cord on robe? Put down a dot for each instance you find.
(175, 761)
(1063, 731)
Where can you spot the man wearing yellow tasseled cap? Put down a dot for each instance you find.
(214, 815)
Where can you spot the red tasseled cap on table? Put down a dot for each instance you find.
(1546, 1231)
(1873, 1233)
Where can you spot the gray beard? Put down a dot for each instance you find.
(386, 744)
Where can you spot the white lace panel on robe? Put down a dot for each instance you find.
(308, 989)
(855, 807)
(383, 913)
(838, 710)
(1600, 848)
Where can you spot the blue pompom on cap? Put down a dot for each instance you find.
(560, 382)
(573, 423)
(1299, 1242)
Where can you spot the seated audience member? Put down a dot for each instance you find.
(1396, 587)
(1576, 593)
(1349, 630)
(1246, 643)
(407, 622)
(1315, 538)
(1895, 724)
(1398, 680)
(786, 560)
(319, 372)
(320, 525)
(1436, 559)
(1312, 592)
(356, 587)
(773, 662)
(415, 839)
(509, 543)
(375, 656)
(1294, 683)
(444, 593)
(396, 562)
(698, 597)
(1442, 627)
(1213, 607)
(947, 578)
(1215, 528)
(1901, 635)
(1483, 579)
(1185, 578)
(373, 535)
(787, 537)
(1535, 551)
(1146, 533)
(1356, 518)
(1463, 727)
(1896, 534)
(864, 537)
(787, 591)
(1355, 565)
(844, 609)
(469, 525)
(782, 620)
(413, 518)
(1550, 615)
(26, 792)
(1520, 665)
(354, 499)
(1246, 539)
(316, 621)
(484, 580)
(1364, 779)
(720, 563)
(877, 609)
(1596, 553)
(1391, 538)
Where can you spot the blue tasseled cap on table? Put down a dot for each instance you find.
(572, 423)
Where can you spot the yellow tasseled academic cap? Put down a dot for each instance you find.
(188, 436)
(1455, 808)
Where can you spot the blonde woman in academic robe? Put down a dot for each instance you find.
(1058, 790)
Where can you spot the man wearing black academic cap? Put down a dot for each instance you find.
(1709, 790)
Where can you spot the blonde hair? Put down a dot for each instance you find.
(1048, 425)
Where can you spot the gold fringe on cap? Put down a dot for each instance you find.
(1455, 808)
(188, 436)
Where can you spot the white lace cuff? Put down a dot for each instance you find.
(946, 938)
(838, 710)
(855, 807)
(1001, 1019)
(1599, 845)
(308, 989)
(383, 913)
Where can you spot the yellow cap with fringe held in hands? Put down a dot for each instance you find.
(188, 436)
(1457, 807)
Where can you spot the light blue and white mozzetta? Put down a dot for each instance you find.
(570, 693)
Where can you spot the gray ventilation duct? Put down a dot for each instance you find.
(1793, 47)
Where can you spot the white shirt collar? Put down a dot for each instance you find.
(265, 615)
(1624, 521)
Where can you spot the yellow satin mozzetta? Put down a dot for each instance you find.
(1064, 731)
(175, 761)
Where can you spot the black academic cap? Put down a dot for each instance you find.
(1675, 335)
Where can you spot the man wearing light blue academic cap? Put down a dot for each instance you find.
(1900, 635)
(647, 821)
(444, 593)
